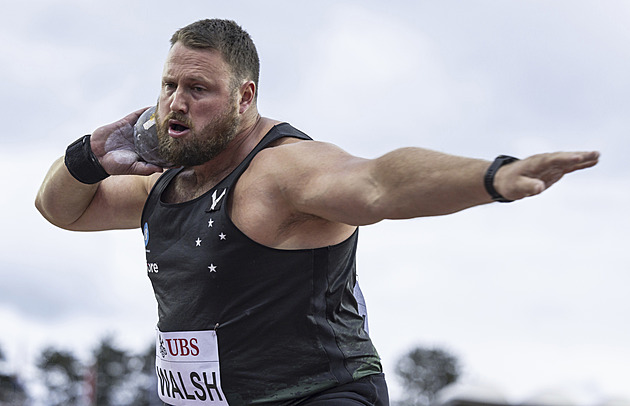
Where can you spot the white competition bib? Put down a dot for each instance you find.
(187, 368)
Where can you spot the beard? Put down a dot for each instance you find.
(198, 147)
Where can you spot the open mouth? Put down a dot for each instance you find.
(176, 128)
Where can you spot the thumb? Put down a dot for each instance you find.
(526, 187)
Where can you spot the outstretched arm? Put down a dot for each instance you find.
(324, 181)
(113, 203)
(416, 182)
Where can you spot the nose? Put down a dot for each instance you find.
(178, 102)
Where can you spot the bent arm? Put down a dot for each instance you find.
(114, 203)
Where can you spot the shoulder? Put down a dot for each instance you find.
(278, 187)
(291, 153)
(150, 181)
(286, 169)
(302, 172)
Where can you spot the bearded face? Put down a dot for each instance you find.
(202, 144)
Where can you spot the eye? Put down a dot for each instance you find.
(169, 86)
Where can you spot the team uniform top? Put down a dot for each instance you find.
(286, 321)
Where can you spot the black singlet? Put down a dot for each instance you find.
(287, 321)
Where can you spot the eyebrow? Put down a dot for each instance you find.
(193, 78)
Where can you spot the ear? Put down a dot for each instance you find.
(247, 92)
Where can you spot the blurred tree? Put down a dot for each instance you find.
(122, 378)
(424, 372)
(62, 375)
(12, 393)
(109, 371)
(144, 388)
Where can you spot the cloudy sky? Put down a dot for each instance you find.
(530, 296)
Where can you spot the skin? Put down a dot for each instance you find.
(295, 194)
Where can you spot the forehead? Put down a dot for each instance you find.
(184, 61)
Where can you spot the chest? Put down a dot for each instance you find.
(183, 188)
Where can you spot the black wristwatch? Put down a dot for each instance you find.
(488, 179)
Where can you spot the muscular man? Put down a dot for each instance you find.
(251, 238)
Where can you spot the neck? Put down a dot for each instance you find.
(205, 176)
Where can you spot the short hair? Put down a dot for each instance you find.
(227, 37)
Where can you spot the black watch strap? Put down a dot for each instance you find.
(488, 179)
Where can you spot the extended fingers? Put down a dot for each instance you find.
(533, 175)
(564, 162)
(586, 160)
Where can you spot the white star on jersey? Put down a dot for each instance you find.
(222, 236)
(198, 242)
(210, 223)
(212, 268)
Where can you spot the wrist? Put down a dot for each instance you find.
(82, 164)
(492, 170)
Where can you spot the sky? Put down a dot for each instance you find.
(531, 296)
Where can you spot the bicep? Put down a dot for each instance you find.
(322, 180)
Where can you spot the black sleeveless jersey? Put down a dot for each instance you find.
(287, 322)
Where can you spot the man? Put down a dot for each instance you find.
(251, 239)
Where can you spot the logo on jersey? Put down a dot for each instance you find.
(146, 234)
(162, 348)
(216, 199)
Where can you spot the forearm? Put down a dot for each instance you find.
(415, 182)
(61, 198)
